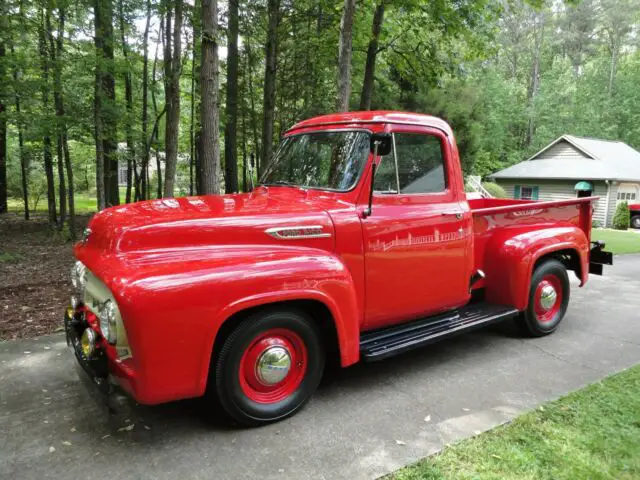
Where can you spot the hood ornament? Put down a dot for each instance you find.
(298, 232)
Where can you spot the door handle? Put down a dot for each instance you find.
(458, 215)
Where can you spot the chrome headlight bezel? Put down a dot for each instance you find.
(108, 321)
(79, 277)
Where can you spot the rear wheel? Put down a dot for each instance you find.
(548, 299)
(269, 366)
(635, 221)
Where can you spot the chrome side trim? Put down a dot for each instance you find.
(297, 232)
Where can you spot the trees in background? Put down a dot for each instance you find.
(80, 101)
(270, 65)
(209, 113)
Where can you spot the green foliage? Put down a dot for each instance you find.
(467, 61)
(495, 190)
(618, 242)
(622, 216)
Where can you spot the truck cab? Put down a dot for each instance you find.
(359, 243)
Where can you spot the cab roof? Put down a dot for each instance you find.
(375, 116)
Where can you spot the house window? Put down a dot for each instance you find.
(525, 192)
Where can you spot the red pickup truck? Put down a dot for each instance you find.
(358, 244)
(634, 209)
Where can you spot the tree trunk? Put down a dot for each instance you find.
(209, 114)
(3, 135)
(197, 55)
(243, 119)
(20, 126)
(254, 119)
(46, 140)
(344, 56)
(534, 82)
(56, 60)
(614, 61)
(172, 67)
(154, 134)
(192, 119)
(128, 94)
(144, 169)
(231, 125)
(105, 99)
(372, 52)
(271, 54)
(63, 141)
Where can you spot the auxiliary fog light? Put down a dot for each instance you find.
(88, 342)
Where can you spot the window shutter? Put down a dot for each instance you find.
(535, 193)
(516, 191)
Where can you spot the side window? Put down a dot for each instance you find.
(385, 180)
(420, 163)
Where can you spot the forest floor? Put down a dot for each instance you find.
(35, 265)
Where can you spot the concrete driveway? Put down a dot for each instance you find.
(364, 421)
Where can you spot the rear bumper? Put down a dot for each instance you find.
(598, 257)
(94, 372)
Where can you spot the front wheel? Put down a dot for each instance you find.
(269, 366)
(548, 299)
(635, 221)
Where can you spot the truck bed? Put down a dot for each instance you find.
(497, 216)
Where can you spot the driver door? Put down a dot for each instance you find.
(418, 238)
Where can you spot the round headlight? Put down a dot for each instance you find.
(108, 326)
(79, 276)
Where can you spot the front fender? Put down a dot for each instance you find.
(511, 256)
(173, 305)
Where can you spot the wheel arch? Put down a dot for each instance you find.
(339, 335)
(514, 258)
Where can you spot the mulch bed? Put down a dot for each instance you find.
(35, 265)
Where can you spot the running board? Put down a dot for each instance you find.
(386, 342)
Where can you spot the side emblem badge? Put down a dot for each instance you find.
(296, 233)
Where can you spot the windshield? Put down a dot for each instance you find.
(331, 160)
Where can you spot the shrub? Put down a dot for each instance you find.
(596, 224)
(622, 217)
(495, 190)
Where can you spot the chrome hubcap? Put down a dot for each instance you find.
(273, 365)
(548, 297)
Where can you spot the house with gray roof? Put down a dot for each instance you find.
(573, 166)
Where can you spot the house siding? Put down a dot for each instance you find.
(561, 150)
(549, 190)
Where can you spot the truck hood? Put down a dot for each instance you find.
(194, 222)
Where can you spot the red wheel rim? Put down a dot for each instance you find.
(264, 375)
(548, 299)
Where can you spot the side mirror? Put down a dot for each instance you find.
(380, 145)
(383, 143)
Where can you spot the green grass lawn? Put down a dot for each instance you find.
(593, 433)
(618, 241)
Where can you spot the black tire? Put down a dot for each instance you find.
(231, 395)
(635, 221)
(535, 324)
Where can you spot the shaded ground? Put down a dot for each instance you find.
(365, 421)
(34, 276)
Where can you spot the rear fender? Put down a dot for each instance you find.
(510, 259)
